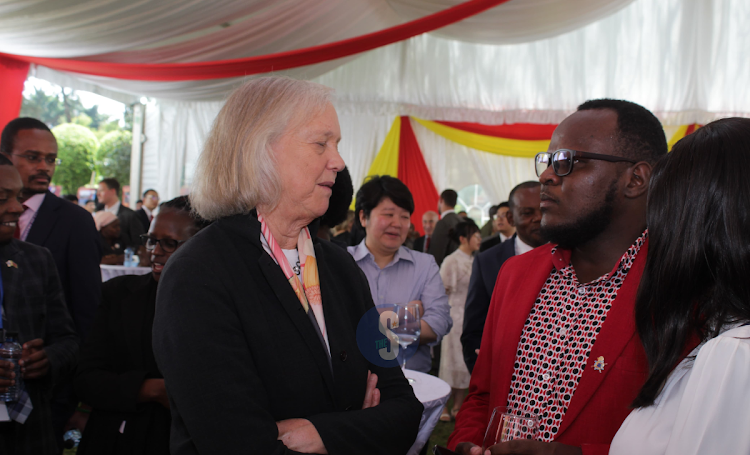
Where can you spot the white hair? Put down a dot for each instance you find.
(236, 170)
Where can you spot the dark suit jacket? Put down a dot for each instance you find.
(440, 245)
(130, 228)
(239, 353)
(419, 244)
(143, 218)
(115, 361)
(69, 232)
(602, 399)
(35, 307)
(490, 242)
(484, 272)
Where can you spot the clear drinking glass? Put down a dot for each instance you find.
(408, 329)
(507, 425)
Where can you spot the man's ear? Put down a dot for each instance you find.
(509, 217)
(638, 177)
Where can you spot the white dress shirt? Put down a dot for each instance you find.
(521, 247)
(113, 209)
(704, 407)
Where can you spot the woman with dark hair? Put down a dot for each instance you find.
(695, 287)
(395, 273)
(455, 272)
(108, 226)
(117, 374)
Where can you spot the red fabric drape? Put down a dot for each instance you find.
(267, 63)
(521, 131)
(12, 76)
(412, 170)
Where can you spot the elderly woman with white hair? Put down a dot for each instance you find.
(256, 319)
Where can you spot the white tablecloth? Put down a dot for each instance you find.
(433, 393)
(111, 271)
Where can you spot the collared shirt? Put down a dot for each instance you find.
(558, 336)
(521, 247)
(148, 213)
(442, 215)
(28, 216)
(411, 275)
(114, 209)
(503, 237)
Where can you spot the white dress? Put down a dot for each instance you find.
(703, 409)
(455, 272)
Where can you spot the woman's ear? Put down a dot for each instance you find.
(362, 218)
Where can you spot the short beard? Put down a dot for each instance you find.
(585, 228)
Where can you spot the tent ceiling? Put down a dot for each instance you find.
(168, 31)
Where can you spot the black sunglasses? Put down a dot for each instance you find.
(562, 160)
(168, 245)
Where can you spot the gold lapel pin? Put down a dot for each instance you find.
(10, 263)
(599, 364)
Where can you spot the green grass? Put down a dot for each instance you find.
(441, 432)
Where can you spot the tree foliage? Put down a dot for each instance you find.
(113, 158)
(77, 147)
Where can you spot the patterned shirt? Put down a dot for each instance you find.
(558, 336)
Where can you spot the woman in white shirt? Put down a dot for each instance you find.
(696, 290)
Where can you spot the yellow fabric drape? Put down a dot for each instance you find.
(501, 146)
(386, 161)
(677, 136)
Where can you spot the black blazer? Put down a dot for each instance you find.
(441, 245)
(490, 242)
(35, 307)
(114, 362)
(239, 353)
(484, 272)
(419, 244)
(69, 232)
(143, 218)
(130, 228)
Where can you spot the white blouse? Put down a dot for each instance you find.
(704, 407)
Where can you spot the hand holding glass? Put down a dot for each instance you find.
(506, 425)
(408, 329)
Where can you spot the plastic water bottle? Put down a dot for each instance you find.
(11, 351)
(71, 438)
(128, 262)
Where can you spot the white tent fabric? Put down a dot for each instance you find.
(683, 59)
(127, 32)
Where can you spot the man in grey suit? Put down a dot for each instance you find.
(34, 307)
(131, 228)
(441, 246)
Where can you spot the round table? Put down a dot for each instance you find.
(111, 271)
(433, 393)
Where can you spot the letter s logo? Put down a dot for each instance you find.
(389, 320)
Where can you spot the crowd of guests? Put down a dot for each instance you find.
(609, 298)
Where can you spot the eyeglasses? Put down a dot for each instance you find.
(562, 160)
(168, 245)
(34, 159)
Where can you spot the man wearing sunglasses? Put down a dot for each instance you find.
(560, 339)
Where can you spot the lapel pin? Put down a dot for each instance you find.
(10, 263)
(599, 364)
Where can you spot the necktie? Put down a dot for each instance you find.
(426, 244)
(17, 232)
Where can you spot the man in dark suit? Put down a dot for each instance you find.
(502, 230)
(131, 227)
(145, 213)
(64, 228)
(34, 307)
(422, 244)
(524, 214)
(441, 246)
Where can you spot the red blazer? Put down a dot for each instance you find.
(601, 401)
